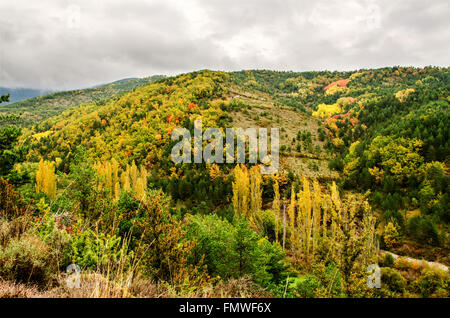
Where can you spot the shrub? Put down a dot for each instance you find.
(235, 251)
(434, 283)
(27, 259)
(10, 203)
(13, 229)
(165, 250)
(324, 281)
(267, 220)
(90, 250)
(308, 287)
(393, 279)
(391, 236)
(388, 260)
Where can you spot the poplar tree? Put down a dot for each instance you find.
(46, 179)
(276, 207)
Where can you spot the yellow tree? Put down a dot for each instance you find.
(291, 214)
(304, 216)
(46, 179)
(241, 191)
(276, 207)
(255, 191)
(317, 204)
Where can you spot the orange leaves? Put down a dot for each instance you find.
(341, 83)
(170, 118)
(192, 106)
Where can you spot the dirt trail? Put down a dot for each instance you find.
(422, 263)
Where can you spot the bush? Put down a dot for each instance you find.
(393, 279)
(388, 260)
(234, 251)
(308, 287)
(324, 281)
(10, 203)
(27, 260)
(434, 284)
(13, 229)
(90, 250)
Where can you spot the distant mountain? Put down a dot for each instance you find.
(42, 106)
(124, 80)
(17, 94)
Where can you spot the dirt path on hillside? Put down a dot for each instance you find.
(421, 263)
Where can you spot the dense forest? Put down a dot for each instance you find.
(89, 195)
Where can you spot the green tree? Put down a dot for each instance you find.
(9, 136)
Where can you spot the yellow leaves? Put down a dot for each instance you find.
(391, 235)
(247, 191)
(173, 173)
(352, 158)
(356, 75)
(214, 172)
(404, 94)
(276, 206)
(399, 156)
(241, 190)
(255, 189)
(325, 110)
(136, 118)
(46, 179)
(338, 143)
(335, 89)
(291, 214)
(377, 173)
(132, 178)
(44, 134)
(335, 197)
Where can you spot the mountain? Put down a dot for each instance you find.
(363, 178)
(42, 107)
(17, 94)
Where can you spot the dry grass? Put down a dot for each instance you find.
(13, 290)
(95, 285)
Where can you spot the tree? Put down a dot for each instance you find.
(276, 207)
(83, 187)
(9, 136)
(165, 252)
(46, 179)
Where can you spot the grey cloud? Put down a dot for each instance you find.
(78, 43)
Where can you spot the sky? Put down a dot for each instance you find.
(67, 44)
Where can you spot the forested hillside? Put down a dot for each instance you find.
(39, 108)
(17, 94)
(363, 170)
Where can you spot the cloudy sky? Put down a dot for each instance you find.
(65, 44)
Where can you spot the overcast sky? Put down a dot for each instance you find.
(65, 44)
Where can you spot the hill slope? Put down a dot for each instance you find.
(333, 127)
(40, 108)
(364, 167)
(17, 94)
